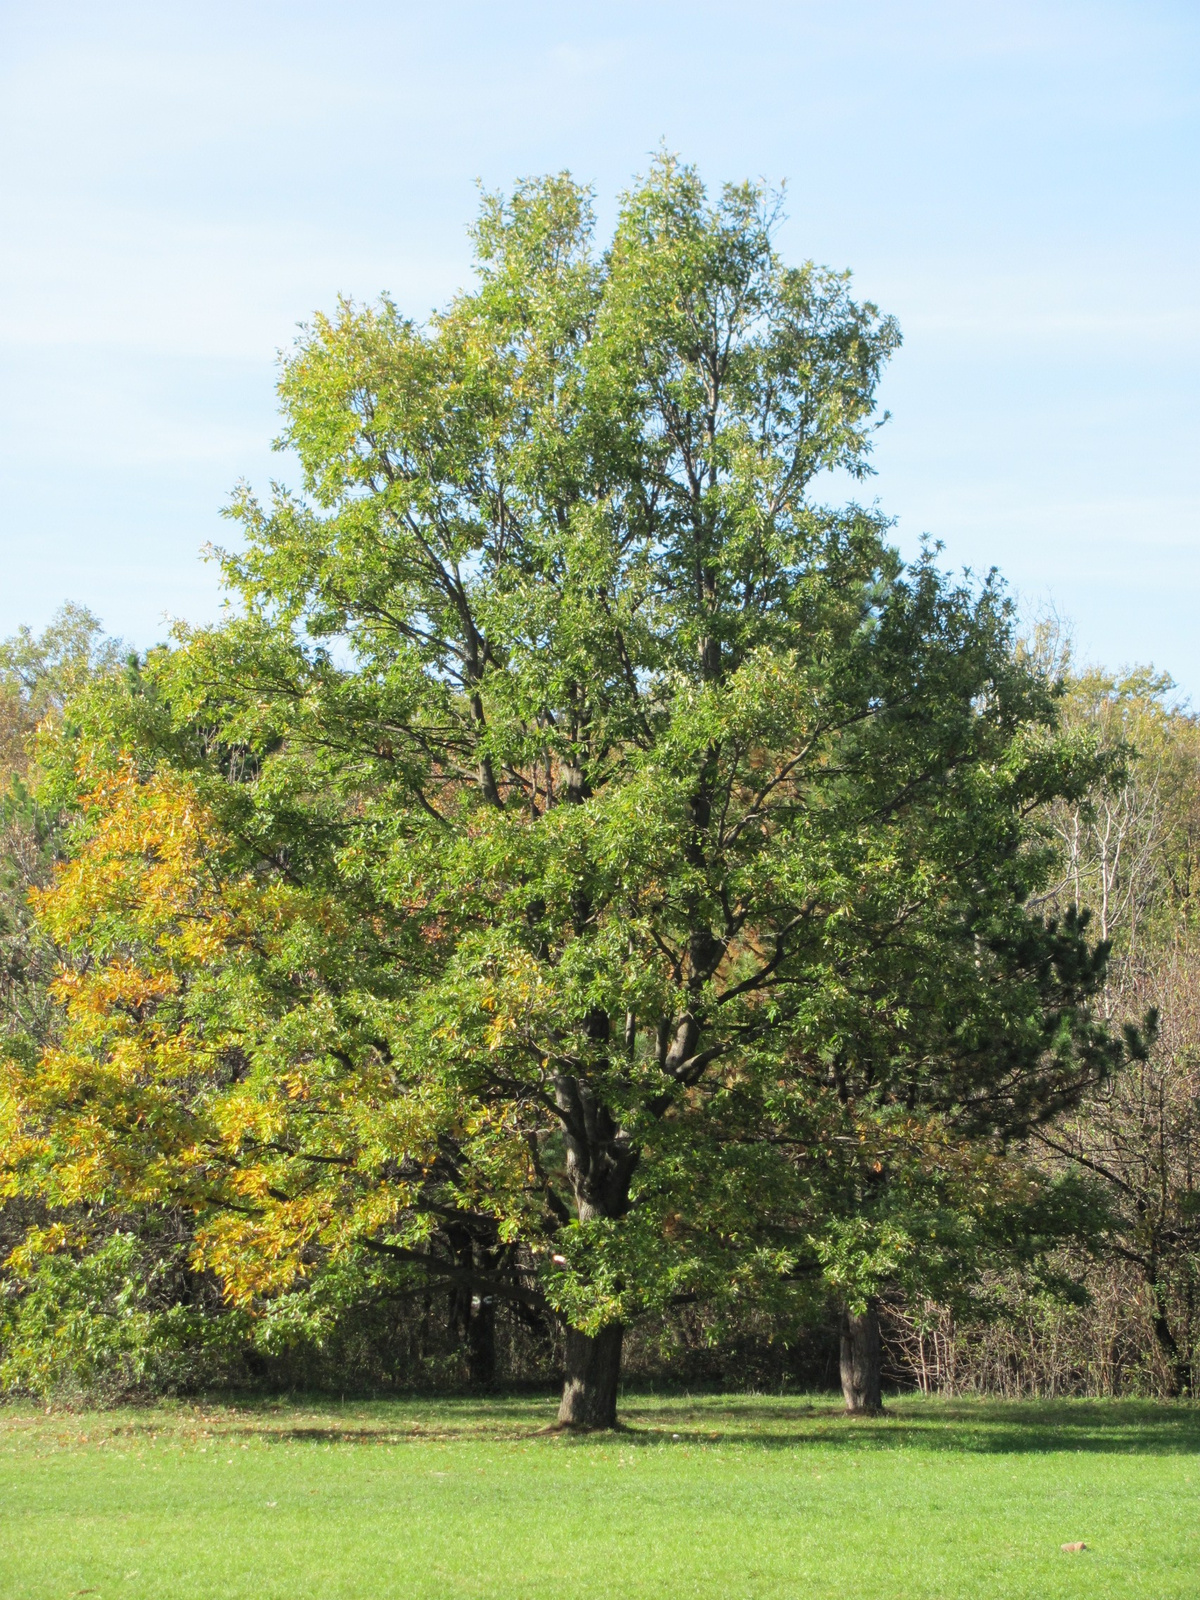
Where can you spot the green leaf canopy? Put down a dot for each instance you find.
(684, 835)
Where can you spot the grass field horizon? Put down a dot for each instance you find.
(713, 1495)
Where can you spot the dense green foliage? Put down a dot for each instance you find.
(646, 900)
(587, 874)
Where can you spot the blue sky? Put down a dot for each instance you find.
(1017, 182)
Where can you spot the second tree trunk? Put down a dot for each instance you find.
(862, 1360)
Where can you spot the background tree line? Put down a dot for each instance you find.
(593, 902)
(1129, 853)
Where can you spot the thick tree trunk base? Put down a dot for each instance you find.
(862, 1362)
(593, 1368)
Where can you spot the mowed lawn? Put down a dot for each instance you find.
(730, 1497)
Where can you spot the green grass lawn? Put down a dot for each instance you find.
(730, 1497)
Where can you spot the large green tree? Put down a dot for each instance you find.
(612, 858)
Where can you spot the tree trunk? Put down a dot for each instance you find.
(862, 1361)
(1179, 1372)
(481, 1342)
(593, 1366)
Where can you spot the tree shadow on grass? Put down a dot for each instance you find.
(981, 1427)
(224, 1421)
(987, 1427)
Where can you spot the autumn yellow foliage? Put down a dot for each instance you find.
(202, 1059)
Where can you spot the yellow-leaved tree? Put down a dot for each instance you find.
(202, 1012)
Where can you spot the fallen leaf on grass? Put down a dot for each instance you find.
(1071, 1548)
